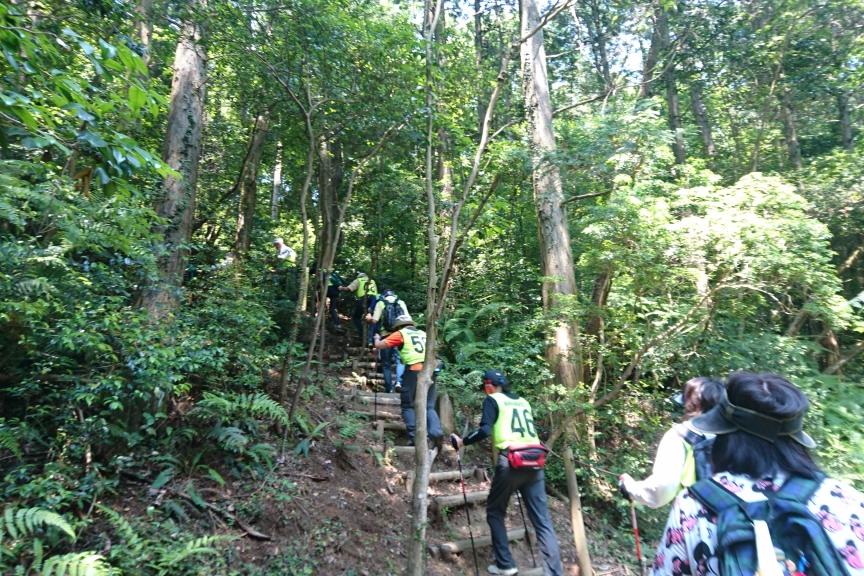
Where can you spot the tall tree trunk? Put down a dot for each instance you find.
(248, 185)
(277, 183)
(790, 129)
(649, 64)
(845, 119)
(181, 152)
(144, 24)
(300, 306)
(329, 183)
(700, 112)
(598, 44)
(673, 105)
(422, 462)
(562, 351)
(478, 60)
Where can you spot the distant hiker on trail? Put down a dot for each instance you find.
(411, 343)
(363, 287)
(684, 454)
(520, 459)
(387, 308)
(768, 509)
(334, 284)
(284, 252)
(285, 270)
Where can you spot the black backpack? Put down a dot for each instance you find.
(701, 453)
(392, 310)
(792, 526)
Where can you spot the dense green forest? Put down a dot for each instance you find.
(602, 198)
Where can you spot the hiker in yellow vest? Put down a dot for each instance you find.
(363, 288)
(411, 343)
(508, 419)
(676, 465)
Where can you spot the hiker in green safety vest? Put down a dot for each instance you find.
(363, 288)
(411, 343)
(384, 312)
(508, 419)
(334, 283)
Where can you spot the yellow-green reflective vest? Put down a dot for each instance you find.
(365, 286)
(688, 478)
(515, 423)
(413, 345)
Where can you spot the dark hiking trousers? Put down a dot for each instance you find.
(409, 389)
(388, 357)
(360, 306)
(531, 485)
(333, 295)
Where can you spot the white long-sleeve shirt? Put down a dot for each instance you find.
(664, 483)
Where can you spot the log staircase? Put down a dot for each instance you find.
(447, 535)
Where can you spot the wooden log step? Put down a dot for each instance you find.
(448, 549)
(446, 476)
(438, 503)
(358, 350)
(400, 426)
(381, 425)
(453, 475)
(381, 400)
(531, 571)
(406, 451)
(379, 414)
(370, 396)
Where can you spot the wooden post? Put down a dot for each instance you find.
(580, 540)
(445, 414)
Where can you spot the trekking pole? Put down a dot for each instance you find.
(467, 508)
(636, 536)
(522, 513)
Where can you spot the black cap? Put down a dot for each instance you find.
(496, 378)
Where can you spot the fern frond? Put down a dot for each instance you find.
(76, 564)
(231, 438)
(9, 440)
(258, 405)
(134, 543)
(26, 521)
(195, 547)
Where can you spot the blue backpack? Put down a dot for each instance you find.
(794, 530)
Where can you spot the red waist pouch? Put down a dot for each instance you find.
(532, 456)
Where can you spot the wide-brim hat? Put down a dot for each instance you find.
(726, 418)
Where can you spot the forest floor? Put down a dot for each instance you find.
(342, 509)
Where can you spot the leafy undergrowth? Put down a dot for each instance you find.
(328, 505)
(248, 500)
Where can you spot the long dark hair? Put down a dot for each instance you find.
(743, 453)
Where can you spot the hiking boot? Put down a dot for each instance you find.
(494, 569)
(397, 388)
